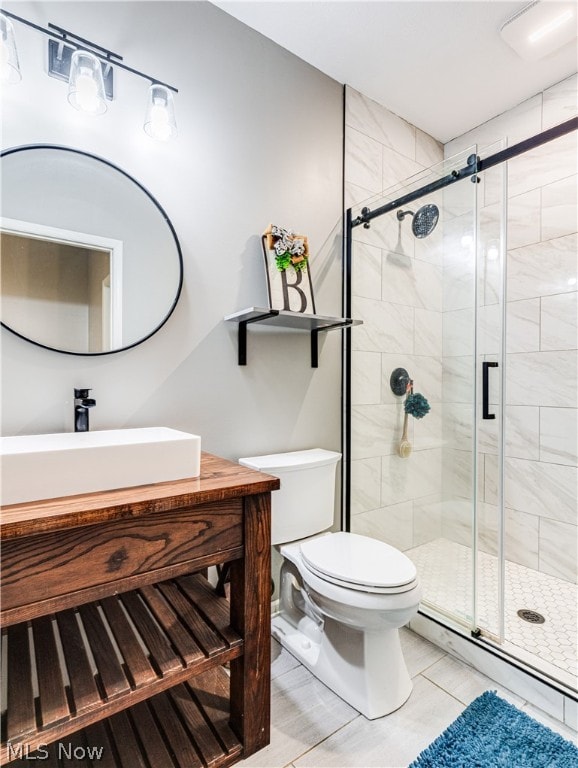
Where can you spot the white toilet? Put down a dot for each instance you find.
(343, 597)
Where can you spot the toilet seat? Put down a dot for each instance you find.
(358, 562)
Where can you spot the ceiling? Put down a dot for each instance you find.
(440, 65)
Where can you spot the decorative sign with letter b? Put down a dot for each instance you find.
(288, 270)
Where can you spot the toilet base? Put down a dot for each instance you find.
(366, 669)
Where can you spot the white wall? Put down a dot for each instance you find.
(260, 141)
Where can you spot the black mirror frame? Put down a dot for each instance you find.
(24, 147)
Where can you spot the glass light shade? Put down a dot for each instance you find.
(160, 120)
(86, 84)
(9, 66)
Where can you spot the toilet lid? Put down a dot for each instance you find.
(358, 560)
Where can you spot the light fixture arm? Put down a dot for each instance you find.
(26, 22)
(106, 56)
(97, 50)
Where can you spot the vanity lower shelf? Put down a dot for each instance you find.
(184, 727)
(69, 670)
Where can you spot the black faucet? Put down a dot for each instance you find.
(82, 402)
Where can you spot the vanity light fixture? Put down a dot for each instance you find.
(9, 66)
(86, 84)
(160, 115)
(541, 28)
(88, 69)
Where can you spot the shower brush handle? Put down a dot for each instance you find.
(404, 448)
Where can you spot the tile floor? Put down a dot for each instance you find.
(446, 574)
(313, 728)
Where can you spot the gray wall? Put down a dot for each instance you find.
(260, 141)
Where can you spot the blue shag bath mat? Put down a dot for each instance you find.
(491, 733)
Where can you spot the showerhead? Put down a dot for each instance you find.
(424, 221)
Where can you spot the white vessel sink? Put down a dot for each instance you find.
(38, 467)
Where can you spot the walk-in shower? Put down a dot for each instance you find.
(485, 504)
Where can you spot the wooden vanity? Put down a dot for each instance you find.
(119, 652)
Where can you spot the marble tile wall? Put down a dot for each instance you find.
(541, 475)
(397, 292)
(416, 298)
(426, 304)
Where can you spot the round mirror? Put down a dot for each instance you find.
(90, 262)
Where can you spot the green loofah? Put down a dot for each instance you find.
(416, 405)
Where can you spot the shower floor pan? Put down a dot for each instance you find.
(445, 570)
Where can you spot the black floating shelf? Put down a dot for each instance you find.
(281, 318)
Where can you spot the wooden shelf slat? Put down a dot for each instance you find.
(209, 641)
(111, 673)
(163, 612)
(177, 736)
(138, 664)
(150, 735)
(97, 736)
(126, 742)
(82, 683)
(74, 745)
(212, 693)
(53, 703)
(216, 612)
(210, 748)
(21, 716)
(142, 672)
(158, 644)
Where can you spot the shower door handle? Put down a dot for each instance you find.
(485, 390)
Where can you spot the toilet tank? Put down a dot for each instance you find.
(305, 503)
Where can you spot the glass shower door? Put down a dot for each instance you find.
(482, 314)
(417, 297)
(490, 410)
(528, 514)
(457, 548)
